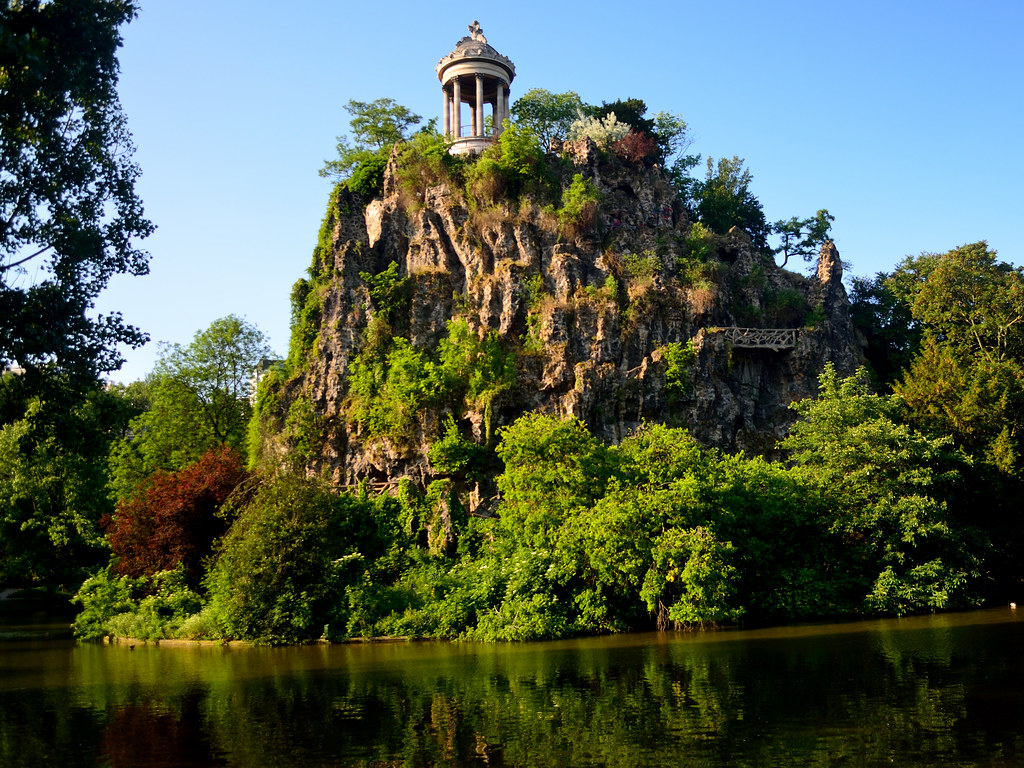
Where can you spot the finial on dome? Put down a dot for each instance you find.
(477, 32)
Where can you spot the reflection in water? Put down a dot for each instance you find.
(931, 690)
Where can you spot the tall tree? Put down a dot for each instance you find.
(549, 115)
(968, 380)
(886, 484)
(375, 127)
(724, 200)
(199, 399)
(893, 336)
(68, 208)
(53, 485)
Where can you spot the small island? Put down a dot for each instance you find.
(546, 378)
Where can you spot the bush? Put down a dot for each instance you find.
(579, 206)
(453, 454)
(635, 147)
(391, 383)
(513, 166)
(148, 608)
(103, 597)
(306, 313)
(367, 177)
(161, 613)
(281, 571)
(425, 161)
(690, 581)
(602, 131)
(387, 393)
(641, 268)
(678, 359)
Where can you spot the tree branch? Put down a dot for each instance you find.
(12, 265)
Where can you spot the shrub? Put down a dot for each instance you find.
(388, 292)
(425, 161)
(678, 359)
(367, 177)
(579, 206)
(102, 597)
(306, 313)
(387, 394)
(700, 242)
(161, 613)
(149, 608)
(267, 416)
(453, 454)
(635, 147)
(389, 388)
(786, 307)
(690, 581)
(643, 267)
(473, 369)
(280, 573)
(513, 166)
(602, 131)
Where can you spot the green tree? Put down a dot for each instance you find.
(802, 237)
(553, 469)
(280, 572)
(199, 399)
(968, 379)
(967, 383)
(723, 200)
(548, 115)
(375, 127)
(68, 208)
(671, 133)
(629, 111)
(53, 488)
(887, 483)
(893, 336)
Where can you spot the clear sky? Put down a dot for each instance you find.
(904, 118)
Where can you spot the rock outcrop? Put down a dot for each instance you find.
(602, 316)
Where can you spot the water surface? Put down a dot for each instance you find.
(934, 690)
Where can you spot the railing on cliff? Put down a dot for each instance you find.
(776, 339)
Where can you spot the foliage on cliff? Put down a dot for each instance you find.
(589, 537)
(512, 406)
(578, 272)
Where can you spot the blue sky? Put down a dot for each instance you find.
(903, 118)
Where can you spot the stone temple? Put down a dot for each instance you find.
(477, 75)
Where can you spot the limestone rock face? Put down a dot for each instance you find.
(593, 314)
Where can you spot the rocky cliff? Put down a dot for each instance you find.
(619, 314)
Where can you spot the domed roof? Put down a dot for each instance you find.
(475, 46)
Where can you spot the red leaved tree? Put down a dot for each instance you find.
(635, 147)
(174, 519)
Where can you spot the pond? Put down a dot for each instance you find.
(932, 690)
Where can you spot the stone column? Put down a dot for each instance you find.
(446, 112)
(457, 107)
(478, 109)
(499, 109)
